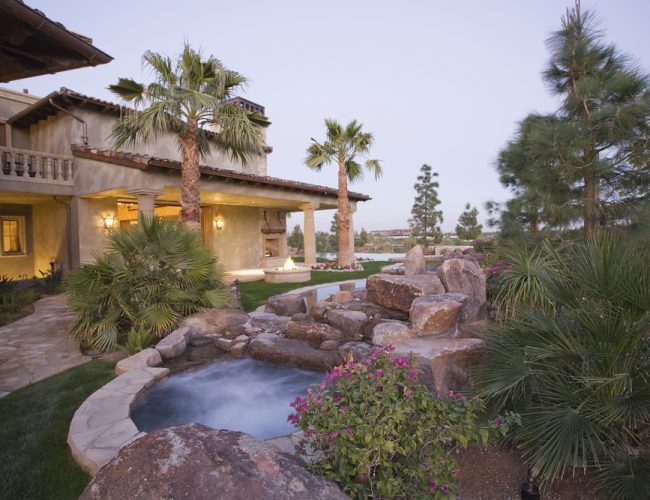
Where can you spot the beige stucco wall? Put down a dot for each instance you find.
(90, 234)
(238, 245)
(50, 236)
(12, 102)
(19, 266)
(57, 133)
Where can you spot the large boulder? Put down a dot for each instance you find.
(194, 461)
(398, 292)
(391, 332)
(270, 323)
(144, 359)
(226, 322)
(448, 360)
(465, 277)
(174, 344)
(351, 323)
(437, 315)
(269, 347)
(286, 304)
(312, 331)
(357, 350)
(414, 261)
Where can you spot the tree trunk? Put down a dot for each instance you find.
(190, 175)
(344, 255)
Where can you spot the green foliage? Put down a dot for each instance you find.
(296, 238)
(35, 460)
(14, 301)
(334, 231)
(468, 227)
(138, 340)
(51, 281)
(588, 162)
(381, 434)
(425, 219)
(520, 284)
(323, 242)
(579, 374)
(362, 238)
(7, 285)
(153, 274)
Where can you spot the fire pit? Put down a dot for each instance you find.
(287, 273)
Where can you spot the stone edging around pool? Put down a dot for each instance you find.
(102, 424)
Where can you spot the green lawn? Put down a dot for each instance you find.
(35, 462)
(255, 293)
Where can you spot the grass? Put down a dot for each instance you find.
(35, 461)
(255, 293)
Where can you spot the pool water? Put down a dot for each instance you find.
(235, 394)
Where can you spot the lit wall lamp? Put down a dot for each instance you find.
(108, 221)
(219, 223)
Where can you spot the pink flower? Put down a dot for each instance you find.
(348, 430)
(412, 373)
(498, 421)
(432, 485)
(455, 472)
(444, 488)
(408, 393)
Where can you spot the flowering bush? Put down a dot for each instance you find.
(380, 433)
(332, 265)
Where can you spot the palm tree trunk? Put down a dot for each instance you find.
(344, 254)
(190, 175)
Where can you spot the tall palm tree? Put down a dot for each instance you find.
(341, 147)
(185, 98)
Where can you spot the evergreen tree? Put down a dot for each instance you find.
(323, 242)
(425, 219)
(334, 231)
(296, 238)
(363, 238)
(588, 162)
(468, 227)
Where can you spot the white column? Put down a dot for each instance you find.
(146, 200)
(352, 208)
(309, 233)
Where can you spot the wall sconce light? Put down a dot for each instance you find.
(109, 222)
(219, 223)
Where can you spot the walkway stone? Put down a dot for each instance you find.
(37, 346)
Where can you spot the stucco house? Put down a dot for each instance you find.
(62, 187)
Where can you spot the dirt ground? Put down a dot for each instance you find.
(497, 474)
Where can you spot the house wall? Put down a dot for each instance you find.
(51, 236)
(56, 133)
(238, 245)
(19, 266)
(12, 102)
(88, 233)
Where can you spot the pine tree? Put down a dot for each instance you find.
(296, 238)
(588, 162)
(425, 219)
(468, 227)
(334, 231)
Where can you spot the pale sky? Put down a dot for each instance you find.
(437, 82)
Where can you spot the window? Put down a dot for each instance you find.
(12, 230)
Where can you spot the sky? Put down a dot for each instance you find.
(436, 82)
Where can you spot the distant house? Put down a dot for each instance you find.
(392, 233)
(62, 187)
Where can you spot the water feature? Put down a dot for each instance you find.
(236, 394)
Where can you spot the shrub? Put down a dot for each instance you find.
(137, 340)
(153, 274)
(579, 373)
(380, 433)
(519, 281)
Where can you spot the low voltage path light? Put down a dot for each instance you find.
(529, 491)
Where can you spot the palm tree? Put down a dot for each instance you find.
(341, 147)
(185, 98)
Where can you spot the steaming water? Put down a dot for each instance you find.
(238, 394)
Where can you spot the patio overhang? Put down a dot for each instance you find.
(31, 44)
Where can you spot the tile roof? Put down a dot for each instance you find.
(145, 162)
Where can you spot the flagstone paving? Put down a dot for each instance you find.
(37, 346)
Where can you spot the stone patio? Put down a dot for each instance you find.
(37, 346)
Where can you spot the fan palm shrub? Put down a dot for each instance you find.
(519, 284)
(579, 374)
(152, 275)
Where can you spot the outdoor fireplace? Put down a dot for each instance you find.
(288, 272)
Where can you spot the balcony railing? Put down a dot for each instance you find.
(35, 166)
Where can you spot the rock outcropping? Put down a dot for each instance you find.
(194, 461)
